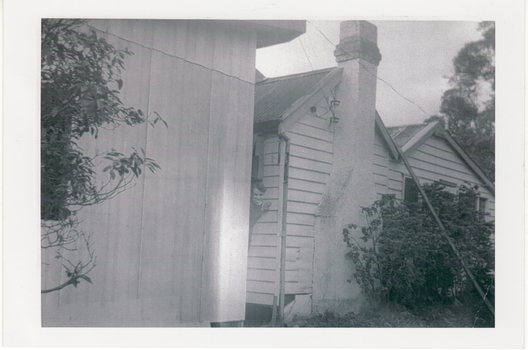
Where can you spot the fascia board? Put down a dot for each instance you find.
(385, 134)
(420, 137)
(470, 163)
(298, 109)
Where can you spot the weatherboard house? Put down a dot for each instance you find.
(323, 152)
(173, 249)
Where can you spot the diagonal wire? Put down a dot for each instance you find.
(167, 54)
(374, 75)
(306, 54)
(318, 82)
(389, 85)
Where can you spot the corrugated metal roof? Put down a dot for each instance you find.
(402, 134)
(274, 96)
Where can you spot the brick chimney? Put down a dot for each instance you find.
(358, 54)
(351, 183)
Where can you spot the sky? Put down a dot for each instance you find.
(416, 61)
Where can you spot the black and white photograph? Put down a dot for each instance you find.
(271, 172)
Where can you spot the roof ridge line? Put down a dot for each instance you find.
(404, 125)
(294, 76)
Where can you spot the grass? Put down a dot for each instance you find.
(393, 315)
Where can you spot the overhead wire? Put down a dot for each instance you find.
(318, 82)
(306, 54)
(168, 54)
(374, 75)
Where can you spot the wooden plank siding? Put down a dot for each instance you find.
(395, 182)
(310, 164)
(264, 253)
(168, 250)
(299, 257)
(432, 161)
(435, 159)
(380, 165)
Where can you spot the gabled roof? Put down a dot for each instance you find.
(280, 101)
(275, 96)
(410, 137)
(382, 129)
(402, 134)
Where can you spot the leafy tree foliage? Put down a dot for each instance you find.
(80, 83)
(78, 70)
(469, 106)
(402, 256)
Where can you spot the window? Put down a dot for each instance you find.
(481, 208)
(255, 166)
(258, 157)
(476, 203)
(410, 193)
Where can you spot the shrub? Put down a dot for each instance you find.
(401, 254)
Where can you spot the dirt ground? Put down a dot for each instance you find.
(440, 316)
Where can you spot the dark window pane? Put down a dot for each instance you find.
(411, 191)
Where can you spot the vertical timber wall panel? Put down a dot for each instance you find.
(126, 247)
(116, 245)
(172, 236)
(169, 249)
(228, 174)
(228, 179)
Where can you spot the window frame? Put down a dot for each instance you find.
(408, 186)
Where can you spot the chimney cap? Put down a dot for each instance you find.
(358, 40)
(358, 30)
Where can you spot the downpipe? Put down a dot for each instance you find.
(283, 210)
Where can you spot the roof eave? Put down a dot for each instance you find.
(467, 159)
(421, 136)
(273, 32)
(267, 127)
(380, 126)
(298, 108)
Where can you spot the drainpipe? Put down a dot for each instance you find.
(282, 219)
